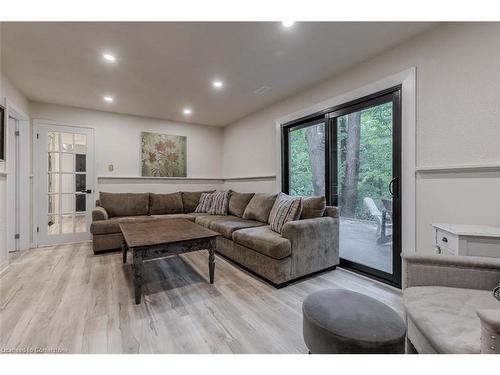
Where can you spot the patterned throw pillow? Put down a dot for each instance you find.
(213, 203)
(285, 209)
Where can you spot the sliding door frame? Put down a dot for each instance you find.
(329, 116)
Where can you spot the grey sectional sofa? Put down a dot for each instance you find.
(304, 247)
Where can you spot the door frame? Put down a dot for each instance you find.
(407, 79)
(37, 123)
(328, 117)
(18, 172)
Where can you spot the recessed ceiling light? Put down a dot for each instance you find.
(218, 84)
(109, 57)
(288, 23)
(108, 98)
(187, 111)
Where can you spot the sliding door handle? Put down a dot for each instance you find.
(394, 187)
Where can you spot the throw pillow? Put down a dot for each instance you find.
(313, 207)
(285, 209)
(259, 207)
(190, 199)
(213, 203)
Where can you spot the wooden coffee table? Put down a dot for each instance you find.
(163, 238)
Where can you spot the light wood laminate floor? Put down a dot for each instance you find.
(67, 298)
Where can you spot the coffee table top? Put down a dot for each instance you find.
(165, 231)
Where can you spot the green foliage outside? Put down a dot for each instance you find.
(375, 158)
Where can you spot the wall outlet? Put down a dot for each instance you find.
(111, 167)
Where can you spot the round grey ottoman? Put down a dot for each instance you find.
(342, 321)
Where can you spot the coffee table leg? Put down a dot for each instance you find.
(137, 277)
(211, 264)
(124, 251)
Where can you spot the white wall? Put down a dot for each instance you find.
(118, 142)
(458, 122)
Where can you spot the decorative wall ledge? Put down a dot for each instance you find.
(486, 167)
(221, 179)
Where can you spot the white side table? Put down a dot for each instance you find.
(464, 239)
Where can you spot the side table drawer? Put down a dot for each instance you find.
(447, 240)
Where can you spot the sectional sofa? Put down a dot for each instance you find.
(304, 247)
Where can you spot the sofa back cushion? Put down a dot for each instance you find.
(213, 203)
(286, 208)
(125, 204)
(160, 204)
(313, 207)
(190, 199)
(259, 207)
(238, 202)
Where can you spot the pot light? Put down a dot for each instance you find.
(109, 57)
(217, 84)
(288, 23)
(187, 111)
(108, 99)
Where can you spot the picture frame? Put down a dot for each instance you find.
(2, 133)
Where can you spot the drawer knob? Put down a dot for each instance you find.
(444, 239)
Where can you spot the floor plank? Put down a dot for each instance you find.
(65, 297)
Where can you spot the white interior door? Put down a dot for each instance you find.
(66, 183)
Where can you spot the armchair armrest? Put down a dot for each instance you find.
(315, 244)
(99, 213)
(331, 211)
(452, 271)
(490, 331)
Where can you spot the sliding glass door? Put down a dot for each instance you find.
(351, 154)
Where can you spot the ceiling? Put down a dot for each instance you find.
(162, 68)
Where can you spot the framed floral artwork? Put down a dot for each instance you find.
(163, 155)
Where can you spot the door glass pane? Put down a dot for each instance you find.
(67, 163)
(67, 183)
(80, 143)
(53, 162)
(81, 163)
(67, 142)
(307, 160)
(80, 202)
(364, 147)
(53, 141)
(53, 183)
(81, 182)
(66, 224)
(53, 203)
(80, 223)
(67, 203)
(53, 224)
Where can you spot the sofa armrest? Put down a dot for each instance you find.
(451, 271)
(99, 213)
(490, 331)
(315, 244)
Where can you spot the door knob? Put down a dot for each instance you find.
(89, 191)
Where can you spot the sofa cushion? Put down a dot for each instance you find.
(189, 217)
(259, 207)
(190, 199)
(238, 202)
(447, 316)
(161, 204)
(125, 204)
(264, 241)
(285, 209)
(313, 207)
(113, 225)
(226, 225)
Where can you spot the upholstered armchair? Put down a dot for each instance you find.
(449, 304)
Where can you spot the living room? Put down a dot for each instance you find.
(258, 187)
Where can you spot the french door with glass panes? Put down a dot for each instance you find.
(65, 183)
